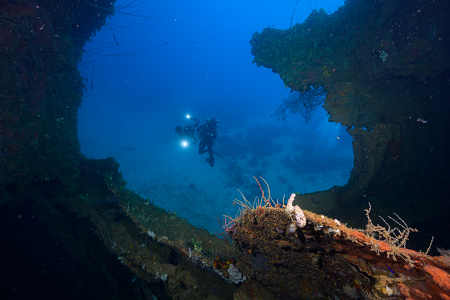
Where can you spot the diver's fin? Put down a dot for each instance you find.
(217, 154)
(210, 161)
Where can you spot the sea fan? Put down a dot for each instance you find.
(304, 104)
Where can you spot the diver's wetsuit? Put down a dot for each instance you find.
(207, 133)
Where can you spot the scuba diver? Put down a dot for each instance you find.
(207, 134)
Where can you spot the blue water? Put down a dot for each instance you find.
(143, 75)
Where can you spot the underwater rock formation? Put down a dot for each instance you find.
(41, 90)
(385, 67)
(326, 259)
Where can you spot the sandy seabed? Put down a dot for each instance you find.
(180, 180)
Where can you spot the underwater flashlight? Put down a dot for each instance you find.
(188, 116)
(184, 143)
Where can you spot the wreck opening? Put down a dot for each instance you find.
(161, 85)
